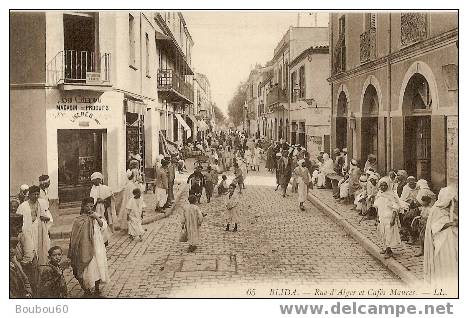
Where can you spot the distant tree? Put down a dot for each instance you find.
(236, 105)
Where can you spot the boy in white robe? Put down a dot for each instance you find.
(127, 195)
(135, 208)
(303, 179)
(232, 203)
(192, 219)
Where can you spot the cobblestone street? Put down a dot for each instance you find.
(277, 247)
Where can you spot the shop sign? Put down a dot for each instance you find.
(315, 139)
(93, 78)
(81, 107)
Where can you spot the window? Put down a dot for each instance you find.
(339, 58)
(369, 21)
(131, 40)
(285, 74)
(280, 76)
(147, 54)
(293, 83)
(302, 82)
(341, 25)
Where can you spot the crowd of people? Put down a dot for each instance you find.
(403, 209)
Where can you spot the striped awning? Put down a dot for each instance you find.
(184, 124)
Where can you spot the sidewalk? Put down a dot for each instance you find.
(62, 226)
(404, 264)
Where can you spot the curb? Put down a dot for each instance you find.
(66, 234)
(393, 265)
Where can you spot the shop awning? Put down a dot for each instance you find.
(184, 124)
(134, 106)
(194, 120)
(168, 148)
(202, 125)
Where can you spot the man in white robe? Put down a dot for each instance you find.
(37, 221)
(103, 200)
(441, 242)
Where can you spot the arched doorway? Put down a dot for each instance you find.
(341, 127)
(417, 109)
(369, 123)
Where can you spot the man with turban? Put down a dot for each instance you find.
(104, 200)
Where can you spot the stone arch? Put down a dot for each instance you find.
(373, 81)
(422, 68)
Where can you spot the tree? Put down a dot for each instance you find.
(218, 114)
(236, 105)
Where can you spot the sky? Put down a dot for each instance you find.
(228, 44)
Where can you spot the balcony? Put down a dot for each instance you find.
(80, 70)
(339, 56)
(275, 97)
(173, 88)
(367, 45)
(413, 27)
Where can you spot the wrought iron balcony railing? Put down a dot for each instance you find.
(169, 81)
(413, 27)
(367, 45)
(276, 96)
(79, 67)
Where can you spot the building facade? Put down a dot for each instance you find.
(276, 84)
(203, 104)
(175, 77)
(394, 90)
(309, 111)
(95, 90)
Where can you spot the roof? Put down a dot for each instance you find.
(320, 49)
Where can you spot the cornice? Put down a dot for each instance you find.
(403, 54)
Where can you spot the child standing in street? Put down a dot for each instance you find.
(135, 208)
(238, 177)
(192, 219)
(232, 202)
(51, 280)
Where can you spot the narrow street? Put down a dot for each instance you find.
(277, 247)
